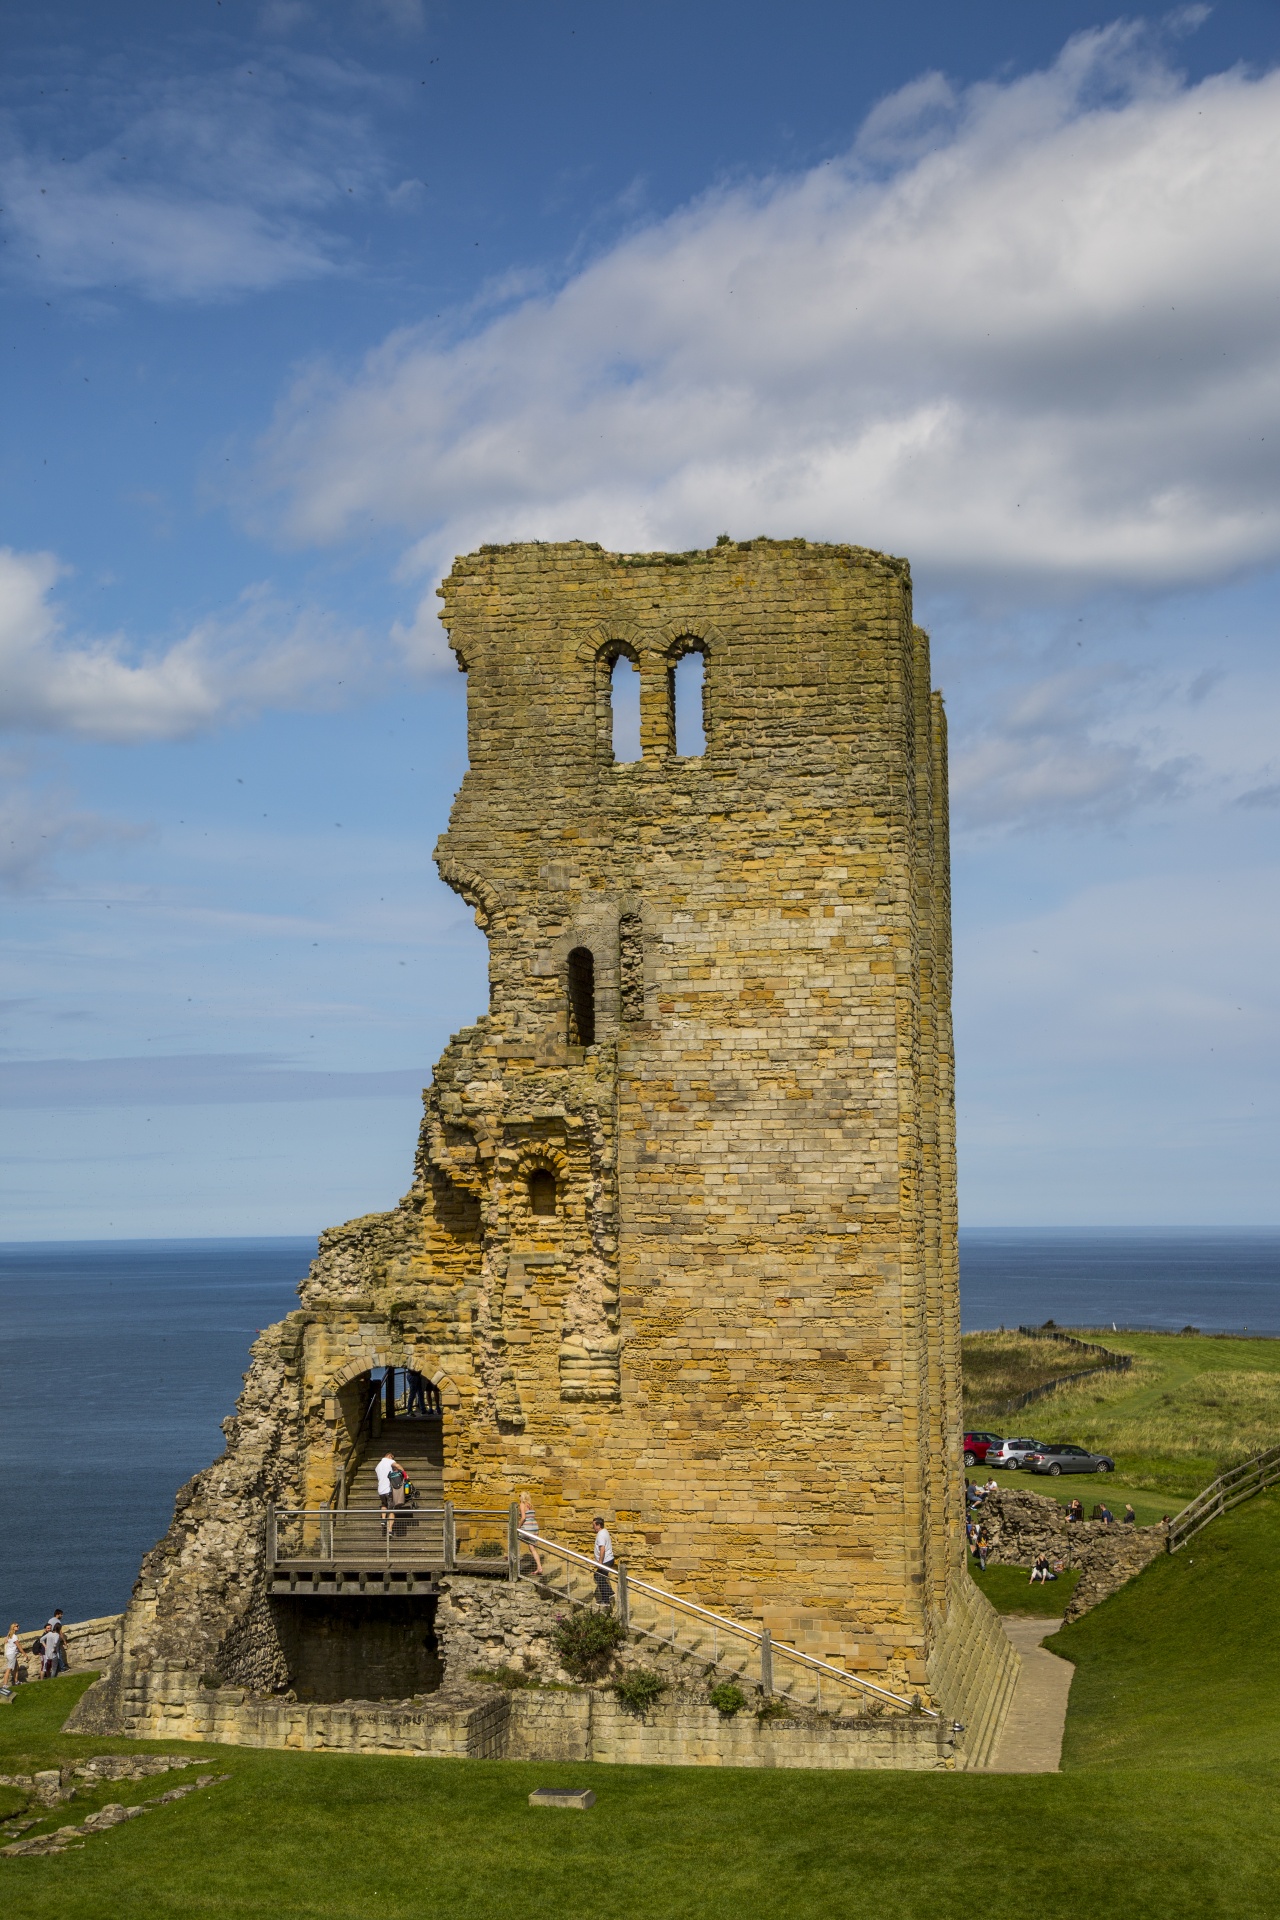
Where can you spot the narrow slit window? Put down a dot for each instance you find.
(582, 997)
(624, 703)
(687, 682)
(542, 1191)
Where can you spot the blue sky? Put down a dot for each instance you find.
(302, 299)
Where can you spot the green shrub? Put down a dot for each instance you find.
(585, 1641)
(489, 1550)
(639, 1688)
(728, 1699)
(509, 1677)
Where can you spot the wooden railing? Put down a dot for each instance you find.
(440, 1536)
(1227, 1491)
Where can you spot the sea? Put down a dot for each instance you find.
(119, 1359)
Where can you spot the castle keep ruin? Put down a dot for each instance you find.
(681, 1242)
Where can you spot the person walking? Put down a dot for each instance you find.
(529, 1527)
(54, 1625)
(12, 1655)
(391, 1478)
(603, 1557)
(416, 1406)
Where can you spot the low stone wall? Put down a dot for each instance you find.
(973, 1670)
(90, 1643)
(487, 1723)
(1023, 1524)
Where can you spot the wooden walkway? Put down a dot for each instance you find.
(1031, 1738)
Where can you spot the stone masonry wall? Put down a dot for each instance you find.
(1022, 1525)
(719, 1027)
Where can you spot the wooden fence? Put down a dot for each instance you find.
(1227, 1491)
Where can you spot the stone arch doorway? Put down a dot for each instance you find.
(389, 1400)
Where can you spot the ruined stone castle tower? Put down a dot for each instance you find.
(681, 1243)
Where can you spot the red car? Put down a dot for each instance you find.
(976, 1444)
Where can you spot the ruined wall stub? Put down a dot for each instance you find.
(736, 1331)
(739, 1332)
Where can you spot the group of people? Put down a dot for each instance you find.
(49, 1647)
(601, 1553)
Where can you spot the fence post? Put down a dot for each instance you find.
(450, 1539)
(513, 1542)
(271, 1533)
(326, 1535)
(624, 1599)
(766, 1663)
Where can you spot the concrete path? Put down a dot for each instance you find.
(1031, 1738)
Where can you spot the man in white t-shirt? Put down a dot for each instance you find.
(603, 1557)
(385, 1469)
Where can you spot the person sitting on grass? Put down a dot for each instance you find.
(1041, 1570)
(1103, 1512)
(1075, 1510)
(1130, 1517)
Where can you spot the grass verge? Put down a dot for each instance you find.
(1010, 1591)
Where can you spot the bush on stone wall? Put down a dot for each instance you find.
(586, 1641)
(639, 1688)
(727, 1699)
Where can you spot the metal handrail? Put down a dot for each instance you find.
(755, 1636)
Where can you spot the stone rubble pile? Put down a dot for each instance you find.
(1021, 1525)
(112, 1815)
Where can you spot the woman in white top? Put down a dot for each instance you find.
(529, 1525)
(12, 1651)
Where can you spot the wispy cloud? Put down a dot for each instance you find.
(258, 655)
(194, 187)
(38, 824)
(1025, 330)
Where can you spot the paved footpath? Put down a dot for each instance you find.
(1031, 1738)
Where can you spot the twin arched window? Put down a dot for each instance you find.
(686, 705)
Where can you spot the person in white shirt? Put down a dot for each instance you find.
(12, 1653)
(603, 1557)
(386, 1467)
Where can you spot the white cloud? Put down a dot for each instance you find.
(259, 655)
(1027, 331)
(194, 188)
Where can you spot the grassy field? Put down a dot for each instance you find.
(1010, 1591)
(1167, 1807)
(1192, 1405)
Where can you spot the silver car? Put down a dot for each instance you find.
(1011, 1453)
(1064, 1459)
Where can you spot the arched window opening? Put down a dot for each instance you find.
(624, 706)
(582, 997)
(688, 678)
(542, 1191)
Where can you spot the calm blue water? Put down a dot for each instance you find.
(120, 1358)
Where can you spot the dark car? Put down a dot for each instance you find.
(1064, 1459)
(976, 1444)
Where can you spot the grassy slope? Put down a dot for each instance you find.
(1181, 1668)
(1193, 1405)
(1010, 1590)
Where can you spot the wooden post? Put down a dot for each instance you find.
(513, 1542)
(766, 1663)
(450, 1539)
(271, 1533)
(624, 1599)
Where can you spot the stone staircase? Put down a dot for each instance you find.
(419, 1447)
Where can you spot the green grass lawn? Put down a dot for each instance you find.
(1166, 1809)
(1010, 1590)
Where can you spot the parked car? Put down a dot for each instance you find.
(1012, 1453)
(976, 1445)
(1057, 1459)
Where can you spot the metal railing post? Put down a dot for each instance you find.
(766, 1664)
(624, 1599)
(326, 1535)
(450, 1539)
(513, 1542)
